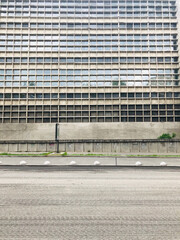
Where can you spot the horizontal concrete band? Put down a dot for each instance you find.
(93, 146)
(91, 141)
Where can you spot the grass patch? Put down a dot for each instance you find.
(24, 154)
(119, 155)
(86, 155)
(64, 154)
(153, 156)
(89, 154)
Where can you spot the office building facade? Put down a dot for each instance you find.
(73, 61)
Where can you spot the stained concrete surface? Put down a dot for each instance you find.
(94, 204)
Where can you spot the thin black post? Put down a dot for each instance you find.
(57, 136)
(116, 161)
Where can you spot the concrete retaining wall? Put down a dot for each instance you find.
(94, 146)
(122, 130)
(30, 131)
(68, 131)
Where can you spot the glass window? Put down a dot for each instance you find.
(24, 78)
(22, 95)
(40, 78)
(85, 95)
(7, 95)
(169, 95)
(54, 71)
(32, 71)
(154, 95)
(146, 95)
(138, 95)
(46, 95)
(9, 78)
(54, 84)
(177, 95)
(47, 84)
(162, 95)
(38, 95)
(23, 84)
(25, 25)
(54, 95)
(31, 95)
(46, 71)
(62, 95)
(23, 71)
(39, 84)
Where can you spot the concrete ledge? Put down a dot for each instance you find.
(92, 140)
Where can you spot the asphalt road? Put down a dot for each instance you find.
(90, 203)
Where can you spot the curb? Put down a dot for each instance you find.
(87, 166)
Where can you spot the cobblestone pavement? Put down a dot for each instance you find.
(94, 204)
(146, 161)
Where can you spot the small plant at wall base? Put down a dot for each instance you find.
(64, 154)
(167, 136)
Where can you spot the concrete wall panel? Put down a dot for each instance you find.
(23, 147)
(171, 147)
(153, 147)
(69, 147)
(135, 147)
(32, 147)
(88, 147)
(4, 148)
(178, 147)
(162, 147)
(107, 147)
(78, 147)
(13, 147)
(41, 147)
(126, 147)
(115, 147)
(98, 147)
(62, 147)
(51, 147)
(30, 131)
(144, 147)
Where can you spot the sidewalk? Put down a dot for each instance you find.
(90, 160)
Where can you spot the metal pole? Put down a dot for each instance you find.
(116, 161)
(57, 136)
